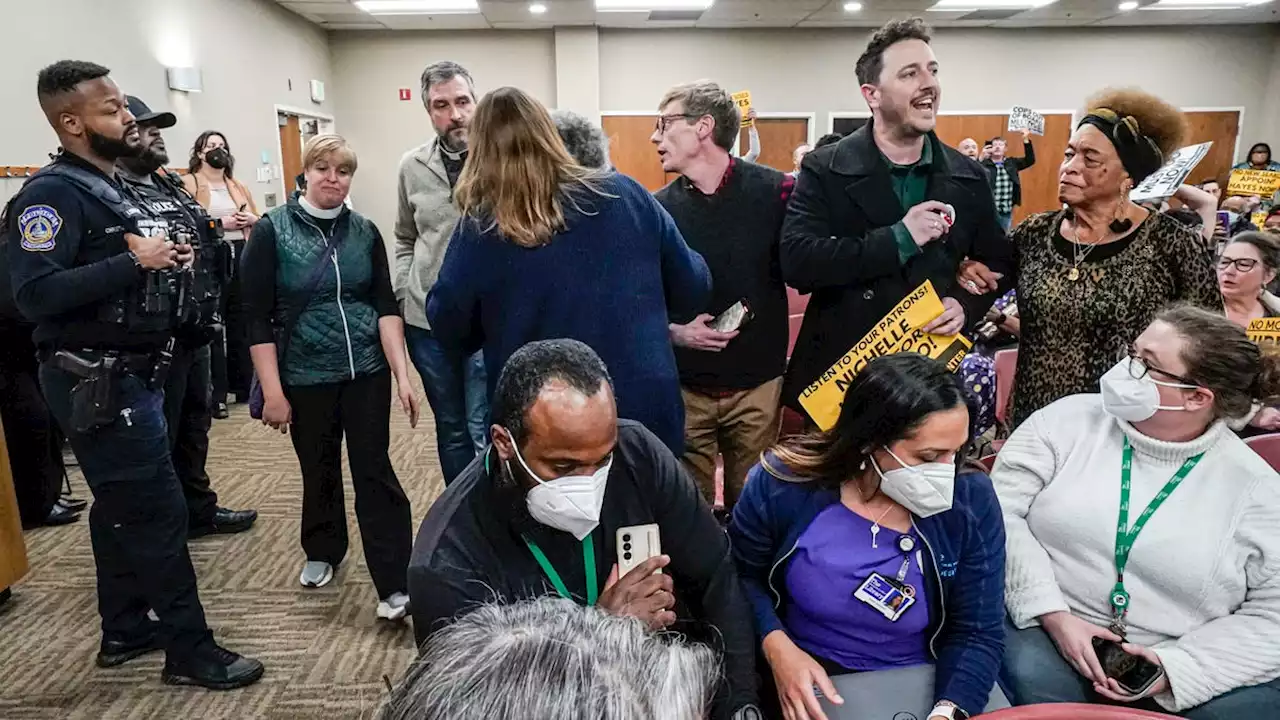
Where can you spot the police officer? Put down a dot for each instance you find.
(103, 279)
(188, 404)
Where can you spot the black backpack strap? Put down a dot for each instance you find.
(97, 186)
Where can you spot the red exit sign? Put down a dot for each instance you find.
(406, 94)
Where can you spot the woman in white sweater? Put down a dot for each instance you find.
(1199, 594)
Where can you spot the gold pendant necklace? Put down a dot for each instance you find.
(1077, 256)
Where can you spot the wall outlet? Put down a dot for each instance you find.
(270, 199)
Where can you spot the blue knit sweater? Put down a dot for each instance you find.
(613, 279)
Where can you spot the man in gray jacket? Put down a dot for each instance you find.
(455, 384)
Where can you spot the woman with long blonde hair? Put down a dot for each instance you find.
(549, 249)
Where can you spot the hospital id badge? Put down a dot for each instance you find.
(885, 596)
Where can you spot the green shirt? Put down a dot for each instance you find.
(910, 184)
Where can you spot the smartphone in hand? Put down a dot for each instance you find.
(732, 319)
(1134, 673)
(637, 543)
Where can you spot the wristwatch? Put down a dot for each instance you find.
(134, 257)
(949, 710)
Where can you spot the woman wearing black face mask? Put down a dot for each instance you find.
(211, 182)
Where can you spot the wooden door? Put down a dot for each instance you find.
(1220, 126)
(1040, 182)
(290, 152)
(13, 552)
(631, 152)
(779, 138)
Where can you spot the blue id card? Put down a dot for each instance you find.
(885, 596)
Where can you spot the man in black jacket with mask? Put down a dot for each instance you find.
(188, 405)
(539, 511)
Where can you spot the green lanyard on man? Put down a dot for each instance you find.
(1125, 536)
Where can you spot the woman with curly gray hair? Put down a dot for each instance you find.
(549, 659)
(584, 140)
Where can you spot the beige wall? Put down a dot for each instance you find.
(369, 69)
(248, 51)
(1049, 69)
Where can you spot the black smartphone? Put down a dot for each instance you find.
(1134, 673)
(732, 319)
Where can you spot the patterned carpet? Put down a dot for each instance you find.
(325, 651)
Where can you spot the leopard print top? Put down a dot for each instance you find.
(1074, 331)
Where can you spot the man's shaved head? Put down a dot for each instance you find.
(87, 110)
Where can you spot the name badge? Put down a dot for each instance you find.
(887, 597)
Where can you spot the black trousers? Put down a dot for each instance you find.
(138, 520)
(236, 370)
(361, 409)
(188, 414)
(31, 434)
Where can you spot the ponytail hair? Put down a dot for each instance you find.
(1220, 357)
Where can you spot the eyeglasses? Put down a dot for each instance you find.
(664, 121)
(1139, 368)
(1243, 265)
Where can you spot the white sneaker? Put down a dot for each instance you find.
(316, 574)
(394, 607)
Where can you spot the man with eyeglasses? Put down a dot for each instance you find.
(731, 357)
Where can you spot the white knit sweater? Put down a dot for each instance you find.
(1204, 575)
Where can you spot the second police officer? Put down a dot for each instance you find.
(188, 405)
(103, 279)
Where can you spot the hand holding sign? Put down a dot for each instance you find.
(743, 101)
(1164, 182)
(1026, 120)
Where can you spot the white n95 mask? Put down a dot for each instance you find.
(925, 489)
(570, 503)
(1130, 398)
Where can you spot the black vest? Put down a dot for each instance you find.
(736, 231)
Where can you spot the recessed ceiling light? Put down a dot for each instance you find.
(538, 9)
(418, 7)
(970, 5)
(1202, 4)
(1127, 6)
(852, 7)
(651, 5)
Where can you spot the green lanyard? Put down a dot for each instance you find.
(588, 565)
(1126, 536)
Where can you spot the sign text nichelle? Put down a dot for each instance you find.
(898, 331)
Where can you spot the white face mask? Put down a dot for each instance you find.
(1134, 399)
(571, 503)
(925, 489)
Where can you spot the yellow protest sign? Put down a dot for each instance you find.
(1265, 331)
(1258, 218)
(899, 331)
(1262, 183)
(743, 101)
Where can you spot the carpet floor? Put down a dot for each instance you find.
(325, 651)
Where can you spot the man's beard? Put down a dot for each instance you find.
(110, 148)
(450, 143)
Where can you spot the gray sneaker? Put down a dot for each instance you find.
(394, 607)
(316, 574)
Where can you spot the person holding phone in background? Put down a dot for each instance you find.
(540, 513)
(1137, 517)
(211, 181)
(732, 356)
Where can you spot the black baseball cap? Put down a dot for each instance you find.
(144, 116)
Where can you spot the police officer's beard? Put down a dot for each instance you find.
(109, 148)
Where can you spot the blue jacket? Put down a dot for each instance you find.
(964, 571)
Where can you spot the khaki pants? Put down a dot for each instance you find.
(738, 426)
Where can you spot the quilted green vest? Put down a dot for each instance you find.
(336, 337)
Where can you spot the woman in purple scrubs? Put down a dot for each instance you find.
(865, 548)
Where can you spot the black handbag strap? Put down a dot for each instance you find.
(298, 302)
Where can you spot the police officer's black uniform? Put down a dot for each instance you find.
(187, 391)
(105, 329)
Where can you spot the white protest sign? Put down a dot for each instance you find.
(1165, 182)
(1021, 118)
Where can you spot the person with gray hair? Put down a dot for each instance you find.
(584, 140)
(548, 659)
(455, 383)
(540, 513)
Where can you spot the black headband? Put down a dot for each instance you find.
(1138, 153)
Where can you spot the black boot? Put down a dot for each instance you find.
(224, 522)
(212, 667)
(112, 653)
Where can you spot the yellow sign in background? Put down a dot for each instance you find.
(1265, 331)
(743, 101)
(1262, 183)
(899, 331)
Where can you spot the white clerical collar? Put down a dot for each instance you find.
(316, 212)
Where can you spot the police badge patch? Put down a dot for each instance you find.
(39, 225)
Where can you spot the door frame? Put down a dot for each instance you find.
(810, 118)
(328, 124)
(844, 115)
(1238, 110)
